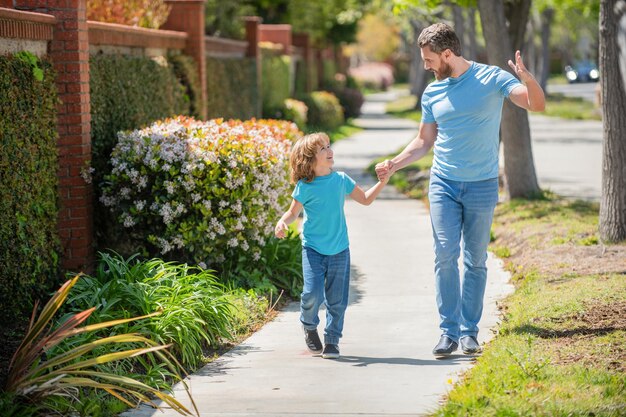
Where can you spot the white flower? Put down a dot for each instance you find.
(128, 220)
(140, 204)
(170, 187)
(178, 241)
(232, 243)
(86, 174)
(108, 201)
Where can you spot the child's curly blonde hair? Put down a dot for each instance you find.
(302, 159)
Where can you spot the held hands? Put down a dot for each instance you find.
(520, 69)
(280, 231)
(384, 170)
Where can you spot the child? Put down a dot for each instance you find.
(325, 252)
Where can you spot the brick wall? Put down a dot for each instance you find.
(69, 50)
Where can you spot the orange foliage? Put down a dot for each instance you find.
(142, 13)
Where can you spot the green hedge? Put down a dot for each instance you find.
(276, 75)
(187, 74)
(128, 93)
(325, 112)
(29, 246)
(232, 91)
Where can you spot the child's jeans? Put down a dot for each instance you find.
(326, 279)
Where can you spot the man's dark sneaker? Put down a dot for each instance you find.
(330, 352)
(445, 347)
(313, 341)
(469, 345)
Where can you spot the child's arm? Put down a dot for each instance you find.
(290, 215)
(367, 197)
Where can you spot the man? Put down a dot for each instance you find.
(461, 114)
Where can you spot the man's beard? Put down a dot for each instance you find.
(444, 72)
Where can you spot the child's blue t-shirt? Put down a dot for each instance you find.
(467, 110)
(324, 228)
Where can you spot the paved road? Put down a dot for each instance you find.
(583, 90)
(568, 156)
(386, 367)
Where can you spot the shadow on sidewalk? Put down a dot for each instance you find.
(363, 361)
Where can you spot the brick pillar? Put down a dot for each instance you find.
(69, 51)
(253, 33)
(302, 41)
(188, 16)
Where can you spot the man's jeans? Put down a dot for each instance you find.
(326, 280)
(461, 210)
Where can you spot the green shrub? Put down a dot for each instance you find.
(295, 111)
(278, 267)
(325, 112)
(276, 81)
(29, 246)
(300, 78)
(129, 93)
(351, 100)
(187, 74)
(232, 91)
(200, 192)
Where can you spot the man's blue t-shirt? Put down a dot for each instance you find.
(467, 110)
(324, 228)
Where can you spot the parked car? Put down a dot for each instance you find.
(582, 72)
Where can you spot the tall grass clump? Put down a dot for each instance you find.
(59, 361)
(194, 309)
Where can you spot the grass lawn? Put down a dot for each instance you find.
(557, 105)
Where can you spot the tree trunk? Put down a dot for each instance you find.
(516, 12)
(546, 25)
(612, 56)
(459, 24)
(530, 48)
(519, 168)
(472, 44)
(418, 76)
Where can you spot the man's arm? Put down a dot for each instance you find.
(416, 149)
(530, 95)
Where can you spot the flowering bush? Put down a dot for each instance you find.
(296, 111)
(143, 13)
(201, 191)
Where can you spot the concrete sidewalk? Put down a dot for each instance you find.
(391, 326)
